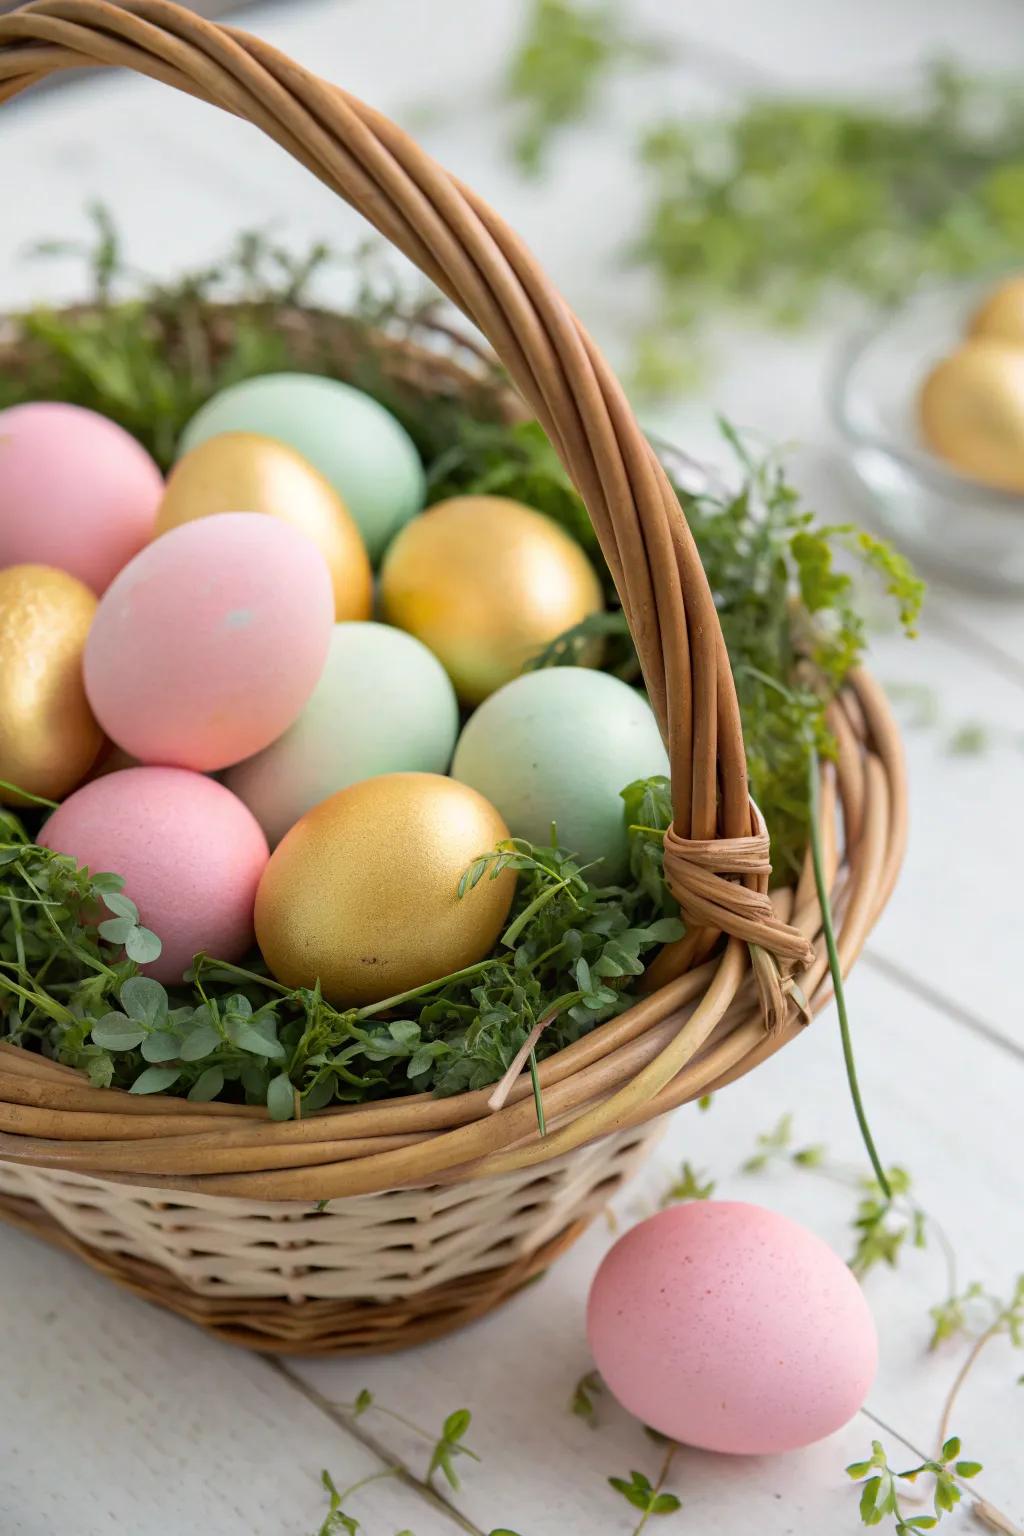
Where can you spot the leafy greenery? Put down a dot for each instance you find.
(880, 1494)
(692, 1184)
(444, 1448)
(885, 1222)
(777, 1145)
(975, 1310)
(148, 353)
(582, 1403)
(650, 1498)
(553, 77)
(790, 198)
(570, 952)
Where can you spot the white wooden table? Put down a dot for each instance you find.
(116, 1418)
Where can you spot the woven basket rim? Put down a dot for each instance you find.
(711, 1016)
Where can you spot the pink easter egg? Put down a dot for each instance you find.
(76, 491)
(190, 852)
(205, 648)
(730, 1327)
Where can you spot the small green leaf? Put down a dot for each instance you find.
(119, 904)
(156, 1080)
(247, 1038)
(160, 1046)
(116, 929)
(968, 1468)
(364, 1401)
(207, 1085)
(106, 882)
(199, 1042)
(456, 1424)
(281, 1097)
(665, 1504)
(870, 1512)
(951, 1448)
(582, 1401)
(143, 946)
(115, 1032)
(144, 999)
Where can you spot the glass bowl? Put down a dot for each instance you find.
(969, 533)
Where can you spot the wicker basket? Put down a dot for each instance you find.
(371, 1226)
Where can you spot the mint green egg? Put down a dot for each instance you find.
(355, 443)
(384, 704)
(559, 746)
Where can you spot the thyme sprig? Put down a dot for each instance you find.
(880, 1492)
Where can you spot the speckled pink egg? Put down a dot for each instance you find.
(205, 648)
(731, 1328)
(76, 491)
(190, 852)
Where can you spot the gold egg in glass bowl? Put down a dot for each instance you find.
(952, 524)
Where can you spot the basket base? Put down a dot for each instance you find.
(312, 1327)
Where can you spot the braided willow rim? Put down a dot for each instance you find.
(712, 1011)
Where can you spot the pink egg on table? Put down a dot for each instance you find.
(730, 1327)
(206, 647)
(190, 852)
(76, 491)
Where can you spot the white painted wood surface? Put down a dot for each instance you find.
(116, 1418)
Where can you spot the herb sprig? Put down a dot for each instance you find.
(880, 1492)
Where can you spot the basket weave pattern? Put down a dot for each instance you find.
(709, 1014)
(453, 1250)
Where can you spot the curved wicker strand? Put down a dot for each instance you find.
(470, 253)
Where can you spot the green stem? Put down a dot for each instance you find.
(40, 1000)
(515, 928)
(208, 963)
(836, 970)
(428, 986)
(537, 1096)
(26, 795)
(666, 1467)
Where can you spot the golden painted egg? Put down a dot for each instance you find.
(972, 412)
(486, 583)
(363, 893)
(48, 736)
(244, 472)
(1001, 316)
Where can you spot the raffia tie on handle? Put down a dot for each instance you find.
(483, 268)
(705, 875)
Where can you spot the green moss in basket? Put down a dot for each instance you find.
(570, 953)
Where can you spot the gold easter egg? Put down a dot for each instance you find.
(363, 892)
(244, 472)
(48, 736)
(972, 412)
(1001, 316)
(486, 583)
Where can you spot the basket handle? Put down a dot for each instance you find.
(716, 858)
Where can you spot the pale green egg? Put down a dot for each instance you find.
(559, 746)
(384, 704)
(356, 444)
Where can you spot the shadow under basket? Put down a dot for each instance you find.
(368, 1227)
